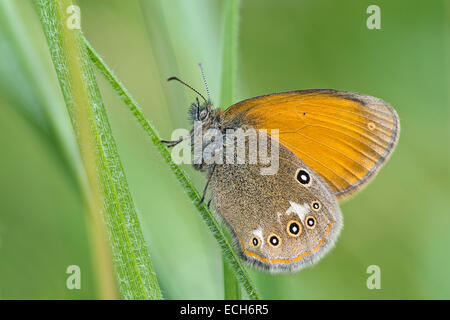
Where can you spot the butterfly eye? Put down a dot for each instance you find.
(203, 114)
(310, 222)
(294, 228)
(274, 240)
(303, 177)
(315, 205)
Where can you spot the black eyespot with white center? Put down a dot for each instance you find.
(310, 222)
(303, 177)
(294, 228)
(315, 205)
(274, 241)
(255, 242)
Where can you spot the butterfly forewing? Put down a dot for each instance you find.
(342, 136)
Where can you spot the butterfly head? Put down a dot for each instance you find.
(201, 111)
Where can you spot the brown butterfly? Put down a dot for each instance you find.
(330, 143)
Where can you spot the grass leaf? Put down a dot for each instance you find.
(205, 213)
(228, 83)
(109, 193)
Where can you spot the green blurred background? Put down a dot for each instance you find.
(400, 222)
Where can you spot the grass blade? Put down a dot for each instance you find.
(110, 195)
(228, 82)
(205, 213)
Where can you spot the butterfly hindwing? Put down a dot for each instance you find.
(304, 217)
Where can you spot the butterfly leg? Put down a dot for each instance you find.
(173, 143)
(210, 173)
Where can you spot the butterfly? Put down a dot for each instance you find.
(331, 143)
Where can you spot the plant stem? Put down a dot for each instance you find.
(181, 176)
(109, 193)
(232, 290)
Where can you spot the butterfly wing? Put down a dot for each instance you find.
(344, 137)
(304, 217)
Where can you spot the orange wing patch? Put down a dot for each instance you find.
(345, 137)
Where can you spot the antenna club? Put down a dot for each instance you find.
(184, 83)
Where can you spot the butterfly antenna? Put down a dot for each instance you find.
(204, 80)
(181, 81)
